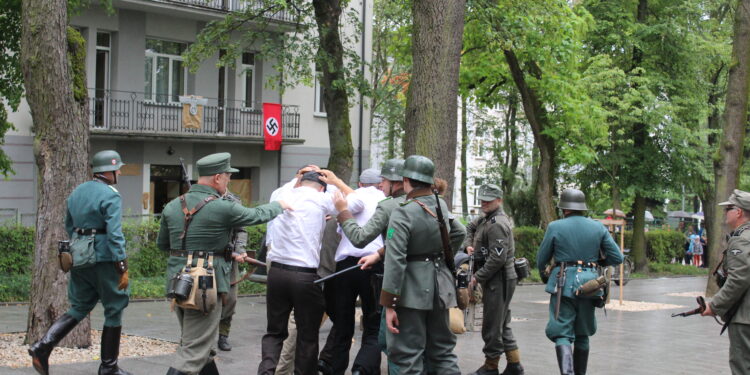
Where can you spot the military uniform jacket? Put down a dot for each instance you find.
(96, 205)
(737, 266)
(576, 238)
(493, 231)
(411, 232)
(209, 230)
(377, 225)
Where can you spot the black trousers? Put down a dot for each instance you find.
(346, 288)
(287, 290)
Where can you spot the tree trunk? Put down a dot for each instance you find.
(639, 235)
(331, 62)
(729, 158)
(56, 93)
(537, 117)
(464, 166)
(431, 107)
(511, 148)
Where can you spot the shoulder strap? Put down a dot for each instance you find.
(189, 214)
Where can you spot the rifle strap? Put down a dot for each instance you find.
(426, 209)
(443, 236)
(189, 214)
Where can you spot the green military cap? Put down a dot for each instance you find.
(214, 164)
(489, 192)
(739, 199)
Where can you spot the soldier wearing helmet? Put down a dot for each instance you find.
(418, 287)
(579, 246)
(93, 221)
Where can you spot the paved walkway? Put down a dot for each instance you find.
(648, 342)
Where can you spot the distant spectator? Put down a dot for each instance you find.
(696, 248)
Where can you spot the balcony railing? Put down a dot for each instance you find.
(271, 12)
(120, 112)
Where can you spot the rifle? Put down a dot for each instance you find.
(447, 251)
(698, 310)
(185, 177)
(559, 286)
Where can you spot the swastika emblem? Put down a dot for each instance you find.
(272, 126)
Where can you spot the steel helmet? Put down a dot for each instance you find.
(392, 170)
(420, 168)
(106, 161)
(572, 199)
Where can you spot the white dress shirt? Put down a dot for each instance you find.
(362, 204)
(296, 235)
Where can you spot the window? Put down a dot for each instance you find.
(165, 73)
(101, 77)
(248, 80)
(320, 107)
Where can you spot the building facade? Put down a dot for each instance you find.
(136, 76)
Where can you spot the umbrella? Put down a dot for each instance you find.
(649, 216)
(680, 214)
(617, 213)
(698, 215)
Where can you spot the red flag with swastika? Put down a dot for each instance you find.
(272, 126)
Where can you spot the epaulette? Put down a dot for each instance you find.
(739, 231)
(385, 199)
(404, 203)
(113, 189)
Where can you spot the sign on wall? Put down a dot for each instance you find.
(192, 111)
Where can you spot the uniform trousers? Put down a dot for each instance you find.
(229, 303)
(346, 288)
(496, 333)
(197, 339)
(424, 337)
(90, 285)
(739, 348)
(287, 290)
(576, 322)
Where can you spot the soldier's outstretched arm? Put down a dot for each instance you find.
(737, 260)
(395, 258)
(244, 216)
(361, 236)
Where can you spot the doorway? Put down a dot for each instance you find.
(166, 184)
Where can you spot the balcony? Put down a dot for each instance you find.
(129, 114)
(221, 6)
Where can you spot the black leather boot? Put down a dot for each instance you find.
(488, 368)
(41, 349)
(209, 369)
(565, 359)
(513, 369)
(580, 360)
(173, 371)
(224, 343)
(111, 351)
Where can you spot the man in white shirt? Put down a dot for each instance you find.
(293, 258)
(350, 285)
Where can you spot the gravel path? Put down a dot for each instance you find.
(14, 353)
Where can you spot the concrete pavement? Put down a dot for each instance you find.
(648, 342)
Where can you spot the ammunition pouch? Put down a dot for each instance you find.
(63, 255)
(523, 269)
(462, 288)
(195, 287)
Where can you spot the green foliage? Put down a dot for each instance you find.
(527, 241)
(523, 207)
(249, 287)
(77, 61)
(14, 288)
(148, 287)
(11, 75)
(661, 245)
(673, 269)
(17, 247)
(145, 259)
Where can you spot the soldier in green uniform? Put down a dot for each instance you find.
(732, 302)
(418, 288)
(392, 186)
(94, 214)
(579, 245)
(494, 232)
(237, 245)
(207, 233)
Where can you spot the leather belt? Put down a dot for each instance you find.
(88, 232)
(424, 257)
(293, 268)
(578, 263)
(184, 253)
